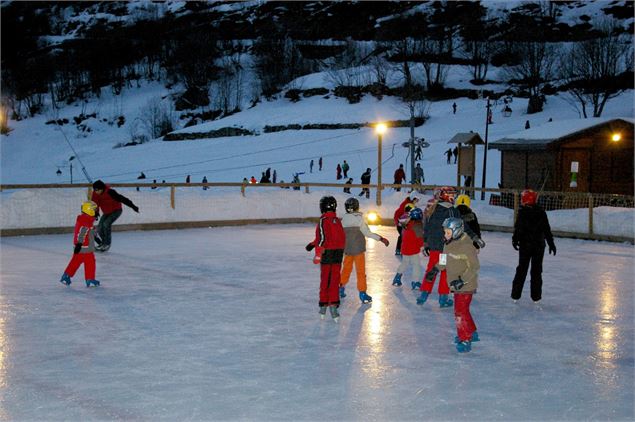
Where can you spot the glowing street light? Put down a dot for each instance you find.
(372, 217)
(380, 129)
(616, 137)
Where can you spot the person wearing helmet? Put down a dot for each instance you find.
(329, 243)
(356, 231)
(83, 251)
(412, 242)
(109, 201)
(469, 217)
(460, 260)
(399, 212)
(531, 230)
(434, 240)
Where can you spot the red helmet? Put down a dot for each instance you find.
(528, 197)
(446, 194)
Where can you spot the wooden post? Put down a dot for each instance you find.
(379, 172)
(590, 214)
(242, 189)
(458, 168)
(172, 195)
(306, 189)
(515, 205)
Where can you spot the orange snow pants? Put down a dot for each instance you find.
(360, 268)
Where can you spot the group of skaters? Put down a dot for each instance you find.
(447, 232)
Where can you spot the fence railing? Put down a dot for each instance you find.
(582, 215)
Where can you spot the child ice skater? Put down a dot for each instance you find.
(329, 250)
(460, 260)
(411, 244)
(356, 231)
(83, 252)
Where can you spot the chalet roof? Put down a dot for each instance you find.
(472, 138)
(552, 132)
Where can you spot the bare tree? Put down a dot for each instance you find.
(592, 68)
(534, 70)
(157, 118)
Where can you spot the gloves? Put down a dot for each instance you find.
(457, 284)
(480, 242)
(77, 248)
(384, 241)
(318, 255)
(426, 251)
(135, 208)
(515, 244)
(309, 247)
(430, 275)
(552, 249)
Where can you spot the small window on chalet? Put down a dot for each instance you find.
(622, 165)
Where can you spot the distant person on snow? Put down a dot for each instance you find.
(109, 202)
(454, 108)
(348, 182)
(187, 179)
(84, 247)
(345, 168)
(311, 166)
(448, 154)
(400, 176)
(320, 163)
(455, 152)
(339, 171)
(204, 181)
(365, 178)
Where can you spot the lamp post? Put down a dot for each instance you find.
(380, 129)
(70, 166)
(487, 122)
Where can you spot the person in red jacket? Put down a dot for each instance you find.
(109, 201)
(397, 215)
(329, 243)
(83, 239)
(411, 248)
(400, 176)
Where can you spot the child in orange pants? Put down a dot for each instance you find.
(354, 252)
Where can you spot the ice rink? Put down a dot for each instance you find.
(222, 324)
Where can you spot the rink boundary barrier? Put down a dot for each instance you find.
(274, 221)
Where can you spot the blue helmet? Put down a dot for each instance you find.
(416, 214)
(456, 225)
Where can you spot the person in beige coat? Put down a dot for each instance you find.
(460, 260)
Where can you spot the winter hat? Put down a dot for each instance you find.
(99, 185)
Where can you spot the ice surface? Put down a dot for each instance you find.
(222, 324)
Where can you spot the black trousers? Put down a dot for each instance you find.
(398, 248)
(534, 256)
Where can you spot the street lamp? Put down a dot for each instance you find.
(380, 129)
(616, 137)
(488, 119)
(70, 165)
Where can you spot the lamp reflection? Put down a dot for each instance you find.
(3, 364)
(606, 336)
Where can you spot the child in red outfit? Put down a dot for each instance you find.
(329, 242)
(84, 242)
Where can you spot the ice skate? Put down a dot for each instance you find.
(474, 338)
(445, 301)
(422, 299)
(397, 280)
(66, 279)
(415, 285)
(365, 298)
(342, 291)
(322, 312)
(102, 248)
(93, 282)
(334, 314)
(463, 346)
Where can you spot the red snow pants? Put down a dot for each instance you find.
(464, 323)
(443, 282)
(330, 284)
(88, 259)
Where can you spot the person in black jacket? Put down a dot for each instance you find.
(530, 233)
(365, 178)
(462, 204)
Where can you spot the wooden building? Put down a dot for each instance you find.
(543, 157)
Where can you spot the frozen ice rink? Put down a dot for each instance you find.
(222, 324)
